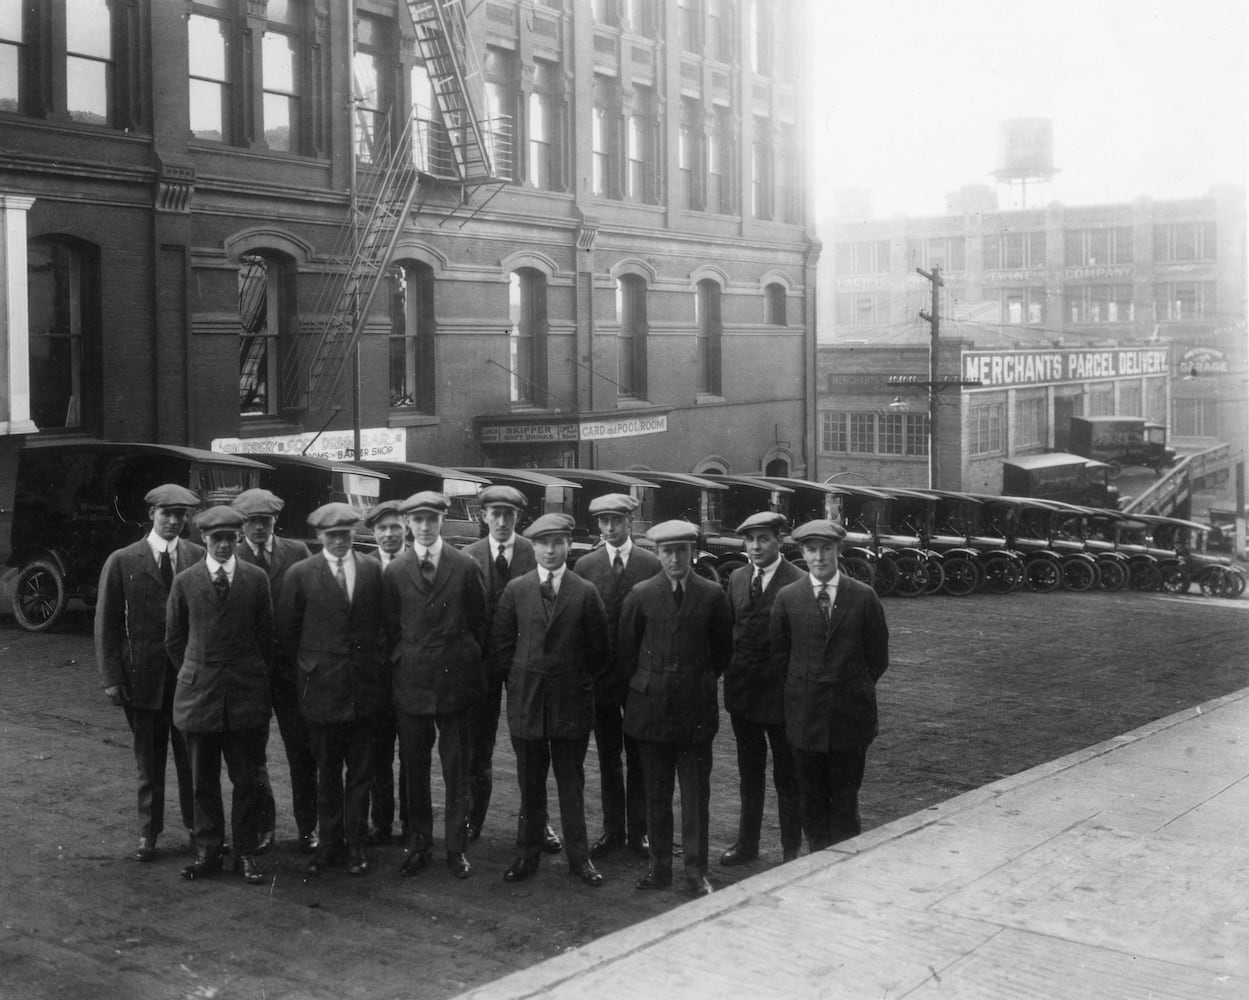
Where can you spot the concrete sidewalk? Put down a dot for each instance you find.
(1121, 871)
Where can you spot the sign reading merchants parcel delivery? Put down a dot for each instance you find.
(1009, 369)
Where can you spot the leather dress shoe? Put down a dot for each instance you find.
(739, 854)
(656, 878)
(698, 886)
(357, 862)
(520, 869)
(245, 865)
(588, 874)
(458, 865)
(551, 843)
(605, 845)
(377, 836)
(309, 842)
(146, 851)
(203, 866)
(414, 862)
(790, 855)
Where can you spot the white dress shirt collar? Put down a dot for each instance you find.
(229, 566)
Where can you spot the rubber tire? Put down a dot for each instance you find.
(858, 568)
(1175, 579)
(1112, 575)
(39, 595)
(962, 576)
(1043, 575)
(1145, 577)
(1001, 575)
(708, 572)
(1079, 575)
(936, 576)
(886, 577)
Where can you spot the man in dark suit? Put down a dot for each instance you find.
(550, 634)
(135, 668)
(390, 534)
(830, 639)
(330, 627)
(261, 547)
(676, 632)
(433, 614)
(502, 555)
(219, 633)
(754, 691)
(614, 567)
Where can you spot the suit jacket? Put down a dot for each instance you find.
(483, 552)
(831, 673)
(553, 659)
(221, 649)
(677, 656)
(596, 567)
(130, 623)
(434, 633)
(335, 644)
(286, 553)
(753, 688)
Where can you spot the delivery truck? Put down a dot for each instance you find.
(1120, 441)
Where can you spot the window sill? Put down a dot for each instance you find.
(707, 399)
(632, 403)
(404, 418)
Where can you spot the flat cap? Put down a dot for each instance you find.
(330, 516)
(429, 500)
(382, 509)
(171, 495)
(502, 496)
(257, 502)
(551, 524)
(219, 517)
(673, 531)
(819, 531)
(764, 519)
(613, 503)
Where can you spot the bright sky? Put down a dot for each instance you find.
(1147, 97)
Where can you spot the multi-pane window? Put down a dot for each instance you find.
(14, 60)
(1184, 300)
(604, 139)
(945, 252)
(280, 46)
(984, 429)
(1095, 247)
(890, 434)
(63, 309)
(542, 137)
(373, 91)
(640, 16)
(761, 37)
(1100, 401)
(90, 72)
(761, 170)
(915, 434)
(411, 341)
(774, 302)
(720, 30)
(1184, 241)
(871, 433)
(1031, 423)
(1195, 418)
(210, 88)
(787, 186)
(604, 12)
(862, 257)
(1004, 251)
(1023, 306)
(527, 336)
(1130, 399)
(641, 129)
(707, 337)
(689, 26)
(862, 308)
(689, 154)
(262, 314)
(833, 433)
(863, 433)
(631, 340)
(1099, 303)
(719, 163)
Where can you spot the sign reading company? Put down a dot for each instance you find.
(375, 442)
(996, 369)
(573, 429)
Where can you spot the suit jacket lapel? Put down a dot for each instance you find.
(147, 558)
(838, 614)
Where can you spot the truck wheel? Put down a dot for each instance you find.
(39, 595)
(1111, 575)
(1079, 575)
(1146, 577)
(1043, 576)
(962, 576)
(1175, 579)
(936, 576)
(858, 568)
(912, 576)
(1001, 575)
(886, 577)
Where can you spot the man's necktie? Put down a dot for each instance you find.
(678, 594)
(340, 575)
(262, 559)
(756, 587)
(427, 569)
(166, 569)
(221, 582)
(548, 594)
(500, 565)
(617, 566)
(826, 603)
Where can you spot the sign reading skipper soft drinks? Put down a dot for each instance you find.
(1009, 369)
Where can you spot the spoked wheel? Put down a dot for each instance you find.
(1043, 575)
(962, 576)
(886, 581)
(708, 571)
(1145, 577)
(1079, 575)
(1111, 575)
(39, 595)
(1175, 579)
(912, 576)
(1002, 575)
(1235, 582)
(936, 575)
(858, 568)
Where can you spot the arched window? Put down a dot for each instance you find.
(63, 290)
(266, 311)
(774, 304)
(411, 349)
(527, 327)
(631, 345)
(707, 337)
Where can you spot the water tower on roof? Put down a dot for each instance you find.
(1025, 162)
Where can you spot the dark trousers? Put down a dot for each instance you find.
(343, 801)
(483, 732)
(534, 759)
(239, 748)
(663, 764)
(416, 743)
(153, 731)
(828, 787)
(620, 770)
(293, 728)
(382, 791)
(752, 763)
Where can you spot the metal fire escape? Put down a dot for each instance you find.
(450, 143)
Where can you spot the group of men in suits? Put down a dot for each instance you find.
(415, 645)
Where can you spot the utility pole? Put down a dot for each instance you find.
(934, 321)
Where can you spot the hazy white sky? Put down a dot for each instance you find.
(1147, 97)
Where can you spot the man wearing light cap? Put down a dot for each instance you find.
(502, 555)
(433, 614)
(614, 567)
(219, 633)
(550, 634)
(754, 691)
(676, 635)
(830, 640)
(330, 627)
(261, 547)
(135, 668)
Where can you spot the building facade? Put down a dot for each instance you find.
(192, 178)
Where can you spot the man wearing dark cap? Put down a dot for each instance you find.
(614, 567)
(830, 640)
(550, 634)
(754, 691)
(390, 534)
(503, 555)
(433, 614)
(261, 547)
(676, 633)
(219, 633)
(135, 668)
(330, 627)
